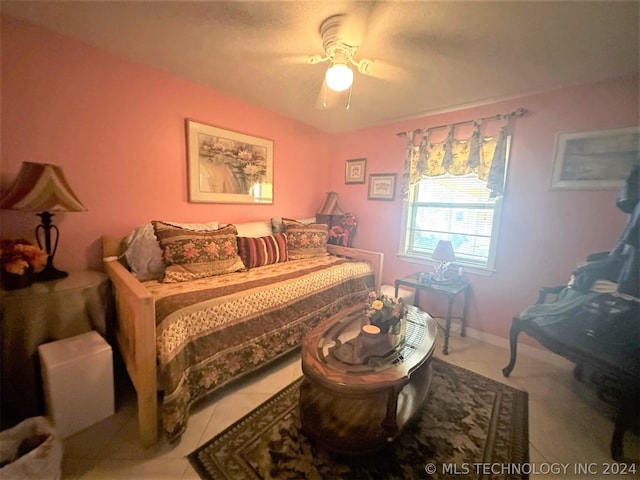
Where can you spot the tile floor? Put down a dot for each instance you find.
(568, 424)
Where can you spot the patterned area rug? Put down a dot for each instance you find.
(468, 426)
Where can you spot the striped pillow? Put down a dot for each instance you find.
(260, 251)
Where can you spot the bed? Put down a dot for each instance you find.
(189, 339)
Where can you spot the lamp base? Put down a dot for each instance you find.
(49, 273)
(440, 275)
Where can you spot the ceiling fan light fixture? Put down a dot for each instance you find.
(339, 77)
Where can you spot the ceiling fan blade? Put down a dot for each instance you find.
(374, 18)
(294, 57)
(388, 71)
(362, 20)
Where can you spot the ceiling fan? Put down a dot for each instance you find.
(340, 52)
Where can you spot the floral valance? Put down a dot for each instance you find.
(474, 155)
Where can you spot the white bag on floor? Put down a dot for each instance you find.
(26, 462)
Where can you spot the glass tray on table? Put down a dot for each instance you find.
(345, 348)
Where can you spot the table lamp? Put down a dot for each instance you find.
(42, 187)
(330, 208)
(443, 254)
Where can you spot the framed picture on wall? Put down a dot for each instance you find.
(382, 186)
(355, 170)
(228, 167)
(594, 160)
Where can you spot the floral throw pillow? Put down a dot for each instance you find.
(143, 252)
(191, 254)
(305, 240)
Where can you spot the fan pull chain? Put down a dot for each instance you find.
(324, 99)
(349, 100)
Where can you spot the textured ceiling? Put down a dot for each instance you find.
(429, 56)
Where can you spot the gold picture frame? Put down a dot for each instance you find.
(594, 160)
(228, 167)
(355, 170)
(382, 186)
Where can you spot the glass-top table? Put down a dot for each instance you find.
(356, 396)
(345, 348)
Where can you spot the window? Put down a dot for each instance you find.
(455, 208)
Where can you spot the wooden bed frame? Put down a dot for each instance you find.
(135, 329)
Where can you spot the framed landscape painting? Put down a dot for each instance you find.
(228, 167)
(595, 160)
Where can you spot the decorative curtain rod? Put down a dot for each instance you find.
(520, 112)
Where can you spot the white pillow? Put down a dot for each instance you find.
(144, 254)
(254, 229)
(276, 223)
(199, 227)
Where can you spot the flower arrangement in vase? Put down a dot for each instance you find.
(19, 260)
(385, 312)
(343, 234)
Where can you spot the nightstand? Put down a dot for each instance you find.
(451, 290)
(40, 313)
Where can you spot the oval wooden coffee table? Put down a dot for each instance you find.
(354, 398)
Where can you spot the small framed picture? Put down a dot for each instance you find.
(382, 186)
(355, 170)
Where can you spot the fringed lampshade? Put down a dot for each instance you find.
(330, 209)
(42, 187)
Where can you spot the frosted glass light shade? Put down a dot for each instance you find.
(339, 77)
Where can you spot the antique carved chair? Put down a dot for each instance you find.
(595, 320)
(607, 347)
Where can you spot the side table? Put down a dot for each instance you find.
(41, 313)
(451, 290)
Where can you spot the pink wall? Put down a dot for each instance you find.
(117, 129)
(544, 234)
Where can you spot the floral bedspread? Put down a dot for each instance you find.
(210, 331)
